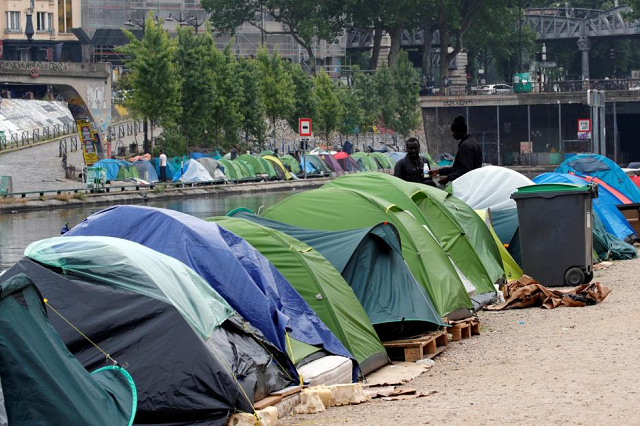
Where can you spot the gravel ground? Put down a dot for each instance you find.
(528, 367)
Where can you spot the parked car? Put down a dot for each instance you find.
(493, 89)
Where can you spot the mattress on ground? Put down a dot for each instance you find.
(328, 370)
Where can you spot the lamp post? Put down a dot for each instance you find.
(192, 21)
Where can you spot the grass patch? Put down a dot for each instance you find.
(159, 189)
(80, 196)
(63, 197)
(12, 200)
(41, 198)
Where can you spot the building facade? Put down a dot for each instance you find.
(40, 30)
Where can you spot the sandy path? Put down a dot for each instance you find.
(532, 366)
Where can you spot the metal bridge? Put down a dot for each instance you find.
(549, 24)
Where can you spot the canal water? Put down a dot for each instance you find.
(19, 230)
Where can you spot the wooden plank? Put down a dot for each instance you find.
(268, 401)
(412, 354)
(290, 390)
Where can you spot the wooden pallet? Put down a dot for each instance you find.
(464, 329)
(411, 350)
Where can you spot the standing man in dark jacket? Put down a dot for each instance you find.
(469, 154)
(413, 167)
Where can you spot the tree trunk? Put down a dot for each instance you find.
(444, 52)
(377, 42)
(426, 55)
(312, 60)
(396, 39)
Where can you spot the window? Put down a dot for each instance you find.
(13, 21)
(44, 21)
(65, 16)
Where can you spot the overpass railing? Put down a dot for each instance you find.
(541, 87)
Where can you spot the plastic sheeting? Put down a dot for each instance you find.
(237, 271)
(489, 187)
(136, 268)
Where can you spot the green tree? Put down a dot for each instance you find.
(153, 79)
(254, 125)
(329, 111)
(370, 103)
(304, 101)
(407, 92)
(198, 85)
(226, 118)
(276, 87)
(305, 20)
(350, 99)
(386, 96)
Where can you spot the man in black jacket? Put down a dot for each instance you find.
(413, 167)
(469, 154)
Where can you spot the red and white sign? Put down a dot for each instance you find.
(304, 127)
(584, 125)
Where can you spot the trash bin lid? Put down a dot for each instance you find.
(549, 190)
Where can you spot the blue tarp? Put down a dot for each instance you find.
(604, 206)
(146, 166)
(604, 169)
(237, 271)
(179, 171)
(111, 166)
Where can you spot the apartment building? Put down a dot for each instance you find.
(40, 30)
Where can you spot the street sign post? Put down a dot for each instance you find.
(304, 127)
(584, 128)
(305, 133)
(548, 64)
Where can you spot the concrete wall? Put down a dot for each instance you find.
(82, 84)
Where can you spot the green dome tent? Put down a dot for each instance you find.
(127, 172)
(370, 260)
(383, 160)
(366, 163)
(290, 161)
(247, 169)
(456, 226)
(232, 170)
(262, 167)
(336, 209)
(42, 382)
(320, 285)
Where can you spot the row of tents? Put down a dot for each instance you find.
(209, 316)
(199, 168)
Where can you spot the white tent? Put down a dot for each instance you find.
(489, 187)
(196, 172)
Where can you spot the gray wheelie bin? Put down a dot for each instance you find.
(556, 232)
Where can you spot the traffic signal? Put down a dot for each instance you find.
(612, 54)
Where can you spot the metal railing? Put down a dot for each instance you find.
(538, 87)
(29, 137)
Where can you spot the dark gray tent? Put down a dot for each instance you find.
(42, 383)
(185, 347)
(370, 260)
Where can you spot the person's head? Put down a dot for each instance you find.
(459, 128)
(161, 151)
(413, 148)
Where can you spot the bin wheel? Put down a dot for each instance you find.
(574, 277)
(588, 277)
